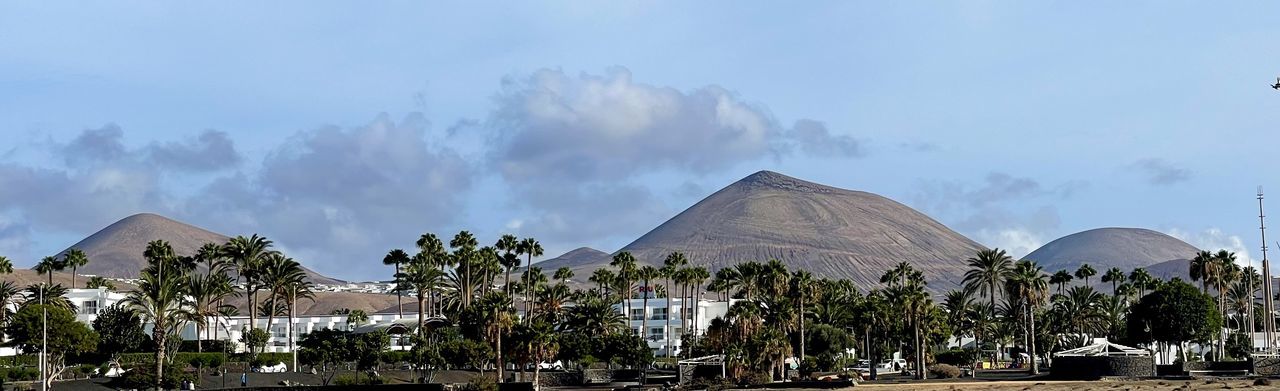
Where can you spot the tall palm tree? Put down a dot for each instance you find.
(248, 254)
(563, 275)
(498, 319)
(697, 277)
(396, 258)
(626, 265)
(6, 266)
(530, 248)
(47, 266)
(1027, 283)
(74, 258)
(207, 293)
(986, 275)
(292, 285)
(1080, 311)
(9, 293)
(161, 300)
(422, 275)
(1115, 276)
(1084, 272)
(1141, 280)
(431, 254)
(802, 289)
(673, 262)
(1226, 273)
(1202, 268)
(726, 280)
(1061, 278)
(509, 245)
(603, 278)
(646, 274)
(959, 307)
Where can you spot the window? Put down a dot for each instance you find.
(659, 314)
(656, 334)
(89, 307)
(637, 314)
(636, 331)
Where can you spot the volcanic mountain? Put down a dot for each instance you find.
(116, 251)
(1126, 248)
(828, 231)
(582, 261)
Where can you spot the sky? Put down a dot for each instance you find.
(342, 130)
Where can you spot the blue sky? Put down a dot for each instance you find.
(345, 129)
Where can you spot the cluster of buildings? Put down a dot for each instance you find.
(649, 320)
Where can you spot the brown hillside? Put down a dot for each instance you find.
(831, 232)
(116, 251)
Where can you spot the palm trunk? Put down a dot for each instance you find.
(801, 329)
(537, 369)
(73, 276)
(400, 295)
(501, 376)
(253, 309)
(668, 320)
(644, 319)
(290, 334)
(157, 334)
(994, 355)
(1035, 366)
(422, 318)
(506, 284)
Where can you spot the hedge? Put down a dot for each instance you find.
(131, 359)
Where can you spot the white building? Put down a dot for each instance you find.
(651, 322)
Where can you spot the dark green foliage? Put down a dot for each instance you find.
(144, 378)
(255, 340)
(324, 350)
(826, 343)
(119, 330)
(65, 334)
(957, 356)
(1239, 346)
(1173, 313)
(465, 351)
(945, 371)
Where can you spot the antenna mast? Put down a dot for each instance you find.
(1268, 306)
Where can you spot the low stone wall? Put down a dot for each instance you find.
(1266, 365)
(1098, 367)
(1217, 366)
(551, 379)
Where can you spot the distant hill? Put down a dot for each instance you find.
(116, 251)
(1125, 248)
(828, 231)
(582, 261)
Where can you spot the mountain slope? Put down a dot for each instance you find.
(828, 231)
(116, 251)
(582, 261)
(1104, 248)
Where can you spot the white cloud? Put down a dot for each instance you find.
(1214, 239)
(1018, 242)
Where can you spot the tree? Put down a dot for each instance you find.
(1084, 272)
(47, 266)
(421, 274)
(254, 340)
(498, 318)
(530, 248)
(646, 274)
(287, 281)
(1061, 278)
(325, 350)
(357, 317)
(802, 290)
(626, 270)
(540, 342)
(366, 350)
(64, 335)
(6, 266)
(1141, 280)
(74, 258)
(1202, 268)
(1175, 312)
(670, 265)
(160, 299)
(97, 282)
(1027, 283)
(119, 330)
(248, 254)
(397, 257)
(1115, 276)
(986, 274)
(509, 245)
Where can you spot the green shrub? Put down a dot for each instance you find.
(395, 356)
(347, 380)
(756, 379)
(958, 357)
(945, 371)
(480, 383)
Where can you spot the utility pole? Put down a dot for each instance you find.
(1268, 306)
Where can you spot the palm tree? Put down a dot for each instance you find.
(959, 307)
(726, 280)
(1084, 272)
(498, 319)
(160, 301)
(6, 266)
(1115, 276)
(1141, 280)
(673, 262)
(74, 258)
(397, 257)
(1061, 278)
(509, 245)
(207, 293)
(530, 248)
(626, 264)
(357, 317)
(47, 266)
(9, 293)
(1080, 311)
(248, 254)
(1202, 269)
(286, 281)
(602, 278)
(541, 343)
(1027, 282)
(563, 274)
(423, 276)
(1225, 274)
(802, 288)
(646, 273)
(986, 274)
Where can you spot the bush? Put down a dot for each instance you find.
(358, 380)
(1262, 381)
(958, 357)
(756, 379)
(145, 378)
(19, 374)
(395, 356)
(945, 371)
(207, 345)
(480, 383)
